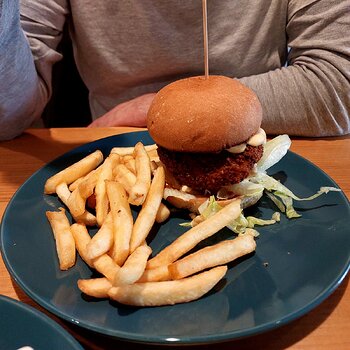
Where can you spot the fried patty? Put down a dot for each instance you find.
(208, 172)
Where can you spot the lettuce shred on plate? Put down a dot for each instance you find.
(258, 182)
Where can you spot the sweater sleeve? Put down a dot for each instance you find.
(25, 65)
(311, 96)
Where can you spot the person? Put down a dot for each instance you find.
(294, 54)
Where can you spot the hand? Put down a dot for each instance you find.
(130, 113)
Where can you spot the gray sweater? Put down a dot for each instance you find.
(294, 54)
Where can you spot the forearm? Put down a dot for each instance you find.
(21, 96)
(311, 96)
(303, 101)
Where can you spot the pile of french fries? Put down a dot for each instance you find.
(101, 192)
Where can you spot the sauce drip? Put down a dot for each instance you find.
(256, 140)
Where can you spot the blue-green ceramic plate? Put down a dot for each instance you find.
(297, 264)
(21, 325)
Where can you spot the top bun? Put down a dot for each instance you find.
(203, 115)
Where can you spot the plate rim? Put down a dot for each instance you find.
(163, 340)
(42, 317)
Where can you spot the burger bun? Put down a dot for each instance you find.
(199, 114)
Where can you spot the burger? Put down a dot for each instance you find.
(209, 137)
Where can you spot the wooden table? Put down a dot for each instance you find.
(326, 327)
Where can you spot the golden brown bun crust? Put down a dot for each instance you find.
(203, 115)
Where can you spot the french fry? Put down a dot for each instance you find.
(76, 183)
(192, 237)
(82, 239)
(126, 158)
(122, 221)
(155, 163)
(103, 264)
(95, 287)
(65, 244)
(154, 166)
(86, 218)
(138, 192)
(130, 163)
(107, 266)
(128, 179)
(154, 159)
(77, 200)
(218, 254)
(133, 267)
(102, 241)
(119, 250)
(124, 176)
(106, 173)
(101, 205)
(74, 171)
(168, 292)
(123, 151)
(150, 207)
(163, 213)
(160, 273)
(152, 152)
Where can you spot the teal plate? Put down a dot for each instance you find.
(297, 264)
(21, 325)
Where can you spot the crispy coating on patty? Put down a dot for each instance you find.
(208, 172)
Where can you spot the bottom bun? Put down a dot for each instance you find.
(192, 202)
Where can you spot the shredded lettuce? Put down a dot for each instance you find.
(276, 216)
(274, 151)
(271, 184)
(285, 196)
(289, 209)
(244, 188)
(252, 220)
(250, 231)
(186, 224)
(279, 204)
(240, 224)
(209, 207)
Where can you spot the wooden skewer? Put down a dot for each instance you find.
(205, 37)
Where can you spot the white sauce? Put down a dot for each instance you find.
(256, 140)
